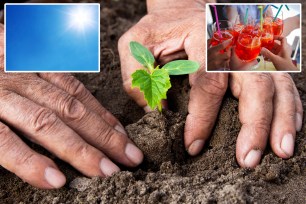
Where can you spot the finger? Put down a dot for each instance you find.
(31, 167)
(71, 111)
(255, 94)
(299, 109)
(75, 88)
(221, 46)
(173, 56)
(43, 127)
(128, 66)
(220, 61)
(280, 38)
(207, 91)
(283, 129)
(266, 53)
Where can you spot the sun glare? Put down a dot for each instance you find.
(81, 18)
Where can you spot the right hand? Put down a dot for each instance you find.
(57, 112)
(217, 60)
(282, 58)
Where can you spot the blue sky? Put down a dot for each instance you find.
(52, 37)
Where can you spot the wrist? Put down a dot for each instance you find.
(157, 5)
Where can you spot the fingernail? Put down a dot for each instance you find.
(287, 145)
(298, 122)
(108, 168)
(196, 147)
(120, 129)
(252, 159)
(54, 177)
(133, 153)
(147, 109)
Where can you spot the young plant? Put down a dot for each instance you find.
(154, 81)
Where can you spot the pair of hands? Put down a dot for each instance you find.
(55, 110)
(269, 104)
(280, 56)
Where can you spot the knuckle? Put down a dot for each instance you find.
(261, 127)
(105, 136)
(74, 86)
(72, 109)
(24, 158)
(123, 40)
(6, 141)
(43, 120)
(212, 84)
(286, 82)
(265, 80)
(81, 149)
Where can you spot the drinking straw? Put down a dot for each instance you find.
(260, 8)
(246, 16)
(266, 8)
(217, 21)
(287, 7)
(275, 6)
(280, 8)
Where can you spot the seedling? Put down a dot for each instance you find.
(154, 81)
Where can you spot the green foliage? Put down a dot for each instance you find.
(155, 82)
(180, 67)
(154, 85)
(142, 55)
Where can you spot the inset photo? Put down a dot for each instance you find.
(253, 37)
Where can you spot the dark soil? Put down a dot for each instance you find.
(168, 175)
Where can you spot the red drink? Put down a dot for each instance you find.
(277, 26)
(236, 31)
(248, 29)
(248, 47)
(216, 40)
(267, 41)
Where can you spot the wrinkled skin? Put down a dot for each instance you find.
(57, 112)
(269, 104)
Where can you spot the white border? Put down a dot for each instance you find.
(53, 4)
(250, 71)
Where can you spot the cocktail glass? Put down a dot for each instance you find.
(248, 47)
(277, 24)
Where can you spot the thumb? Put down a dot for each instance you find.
(222, 45)
(268, 54)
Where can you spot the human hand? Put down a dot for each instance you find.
(172, 33)
(269, 109)
(57, 112)
(182, 36)
(237, 64)
(282, 57)
(217, 60)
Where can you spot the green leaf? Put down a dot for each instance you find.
(154, 85)
(180, 67)
(142, 55)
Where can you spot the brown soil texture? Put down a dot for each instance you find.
(168, 174)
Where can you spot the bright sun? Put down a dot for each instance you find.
(81, 18)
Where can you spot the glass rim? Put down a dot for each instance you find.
(244, 34)
(225, 31)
